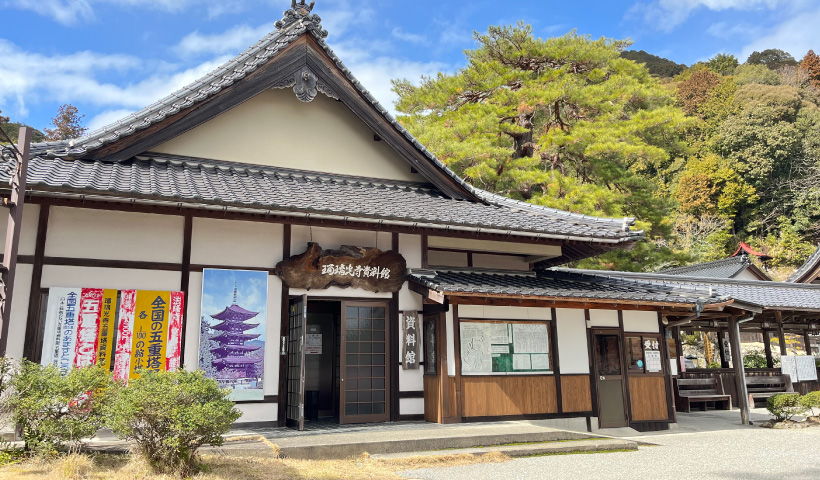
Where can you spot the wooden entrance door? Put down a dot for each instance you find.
(609, 373)
(365, 378)
(297, 312)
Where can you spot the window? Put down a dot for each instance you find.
(492, 347)
(643, 354)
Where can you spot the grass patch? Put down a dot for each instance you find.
(126, 467)
(589, 452)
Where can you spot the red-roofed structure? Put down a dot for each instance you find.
(750, 251)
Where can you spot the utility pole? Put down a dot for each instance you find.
(15, 205)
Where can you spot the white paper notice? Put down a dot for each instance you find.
(653, 360)
(540, 361)
(476, 350)
(497, 333)
(501, 349)
(521, 362)
(788, 366)
(313, 344)
(530, 338)
(673, 366)
(806, 369)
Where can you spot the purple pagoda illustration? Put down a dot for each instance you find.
(235, 354)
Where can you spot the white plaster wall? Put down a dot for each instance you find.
(265, 129)
(437, 258)
(19, 310)
(330, 238)
(503, 313)
(28, 230)
(604, 318)
(118, 278)
(190, 357)
(644, 322)
(113, 235)
(500, 262)
(573, 353)
(410, 248)
(411, 406)
(239, 244)
(257, 412)
(746, 275)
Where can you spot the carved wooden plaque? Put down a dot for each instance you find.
(358, 267)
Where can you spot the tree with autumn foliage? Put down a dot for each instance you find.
(67, 124)
(564, 122)
(811, 65)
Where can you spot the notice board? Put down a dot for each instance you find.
(504, 348)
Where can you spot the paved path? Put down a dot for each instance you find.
(726, 451)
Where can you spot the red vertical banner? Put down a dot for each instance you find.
(88, 325)
(173, 351)
(125, 332)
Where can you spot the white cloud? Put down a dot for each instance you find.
(234, 40)
(796, 35)
(107, 118)
(740, 30)
(410, 37)
(668, 14)
(75, 78)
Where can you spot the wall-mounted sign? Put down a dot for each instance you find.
(313, 344)
(232, 334)
(358, 267)
(83, 328)
(411, 339)
(504, 348)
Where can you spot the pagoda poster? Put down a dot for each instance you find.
(232, 332)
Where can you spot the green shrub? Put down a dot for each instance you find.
(784, 406)
(810, 401)
(54, 410)
(169, 415)
(754, 359)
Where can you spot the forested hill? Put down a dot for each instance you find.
(710, 155)
(659, 66)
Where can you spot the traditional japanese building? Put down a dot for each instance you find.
(395, 290)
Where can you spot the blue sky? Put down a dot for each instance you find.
(112, 57)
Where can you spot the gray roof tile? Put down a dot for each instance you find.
(558, 284)
(812, 263)
(724, 268)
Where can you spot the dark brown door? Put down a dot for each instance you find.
(297, 310)
(365, 378)
(609, 372)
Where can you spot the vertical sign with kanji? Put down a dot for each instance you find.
(150, 332)
(105, 340)
(60, 335)
(411, 340)
(122, 357)
(88, 326)
(173, 350)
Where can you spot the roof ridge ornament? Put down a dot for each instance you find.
(301, 13)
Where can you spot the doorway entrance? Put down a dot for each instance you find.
(609, 374)
(337, 362)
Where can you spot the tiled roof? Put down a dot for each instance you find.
(775, 295)
(557, 284)
(724, 268)
(290, 191)
(812, 263)
(91, 176)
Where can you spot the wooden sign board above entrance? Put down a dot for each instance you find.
(358, 267)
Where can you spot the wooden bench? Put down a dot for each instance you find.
(763, 387)
(700, 390)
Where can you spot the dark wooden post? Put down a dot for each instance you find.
(15, 205)
(724, 362)
(740, 370)
(807, 341)
(767, 346)
(33, 348)
(779, 317)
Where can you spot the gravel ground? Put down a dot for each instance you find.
(739, 453)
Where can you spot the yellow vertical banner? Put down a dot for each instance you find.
(150, 332)
(105, 340)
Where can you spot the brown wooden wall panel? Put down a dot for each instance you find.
(506, 395)
(431, 399)
(648, 398)
(450, 397)
(575, 394)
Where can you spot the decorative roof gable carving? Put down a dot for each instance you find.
(301, 12)
(306, 85)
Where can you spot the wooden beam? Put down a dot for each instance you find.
(33, 346)
(426, 293)
(782, 341)
(740, 371)
(557, 302)
(185, 278)
(767, 347)
(16, 202)
(284, 322)
(394, 353)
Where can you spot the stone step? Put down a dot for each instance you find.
(531, 449)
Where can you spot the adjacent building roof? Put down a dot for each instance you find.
(560, 285)
(809, 271)
(81, 167)
(745, 249)
(724, 268)
(752, 293)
